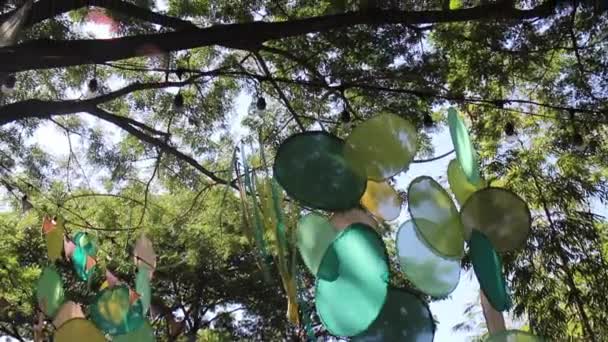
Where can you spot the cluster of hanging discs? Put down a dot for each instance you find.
(118, 311)
(343, 249)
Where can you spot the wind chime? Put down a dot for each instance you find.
(117, 311)
(343, 249)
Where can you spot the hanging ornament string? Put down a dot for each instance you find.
(250, 178)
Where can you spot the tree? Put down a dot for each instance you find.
(169, 80)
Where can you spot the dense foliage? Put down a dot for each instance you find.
(150, 141)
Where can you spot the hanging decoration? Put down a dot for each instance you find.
(78, 329)
(404, 317)
(487, 266)
(436, 217)
(502, 216)
(117, 309)
(314, 235)
(347, 178)
(464, 148)
(54, 232)
(429, 272)
(312, 169)
(381, 147)
(357, 253)
(460, 185)
(382, 200)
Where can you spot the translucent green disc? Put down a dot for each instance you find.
(464, 149)
(502, 216)
(142, 287)
(143, 334)
(314, 235)
(430, 273)
(436, 217)
(87, 242)
(381, 147)
(404, 317)
(459, 183)
(312, 169)
(113, 313)
(513, 336)
(352, 281)
(79, 262)
(488, 269)
(54, 241)
(49, 291)
(381, 200)
(78, 330)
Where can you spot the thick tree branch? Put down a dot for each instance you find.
(44, 54)
(35, 108)
(46, 9)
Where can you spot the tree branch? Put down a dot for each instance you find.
(35, 108)
(280, 92)
(45, 54)
(161, 144)
(46, 9)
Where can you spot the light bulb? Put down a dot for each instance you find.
(178, 101)
(261, 103)
(345, 116)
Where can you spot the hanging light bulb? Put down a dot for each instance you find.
(93, 86)
(427, 121)
(510, 129)
(178, 101)
(10, 81)
(261, 103)
(25, 204)
(180, 72)
(578, 142)
(8, 85)
(345, 116)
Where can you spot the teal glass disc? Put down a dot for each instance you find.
(49, 291)
(313, 236)
(488, 269)
(312, 169)
(404, 317)
(352, 281)
(113, 313)
(142, 287)
(465, 152)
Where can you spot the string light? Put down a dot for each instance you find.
(178, 101)
(8, 84)
(427, 121)
(93, 86)
(10, 81)
(345, 116)
(261, 103)
(510, 129)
